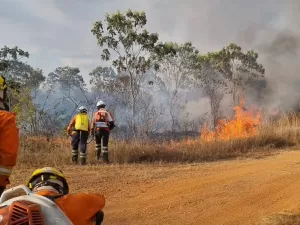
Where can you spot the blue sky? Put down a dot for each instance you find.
(57, 32)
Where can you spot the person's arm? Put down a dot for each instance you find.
(108, 117)
(110, 120)
(9, 146)
(72, 123)
(93, 124)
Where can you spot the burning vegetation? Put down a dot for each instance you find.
(244, 124)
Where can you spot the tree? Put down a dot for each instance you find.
(67, 87)
(214, 86)
(24, 74)
(9, 59)
(101, 78)
(237, 67)
(68, 78)
(8, 55)
(177, 73)
(136, 50)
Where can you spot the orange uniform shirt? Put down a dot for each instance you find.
(108, 118)
(9, 145)
(80, 208)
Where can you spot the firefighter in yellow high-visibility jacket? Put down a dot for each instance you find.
(80, 133)
(9, 138)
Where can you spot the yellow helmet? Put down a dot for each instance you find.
(44, 176)
(2, 83)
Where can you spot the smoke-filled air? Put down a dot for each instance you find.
(176, 112)
(218, 54)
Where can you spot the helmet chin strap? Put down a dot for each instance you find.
(49, 185)
(45, 188)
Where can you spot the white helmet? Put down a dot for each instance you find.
(100, 103)
(82, 109)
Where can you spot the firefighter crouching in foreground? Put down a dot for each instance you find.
(9, 138)
(80, 208)
(102, 124)
(80, 133)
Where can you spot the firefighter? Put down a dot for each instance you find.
(80, 208)
(102, 124)
(9, 138)
(80, 127)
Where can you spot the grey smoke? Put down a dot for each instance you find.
(60, 35)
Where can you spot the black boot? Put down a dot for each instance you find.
(82, 161)
(105, 157)
(98, 152)
(75, 159)
(99, 218)
(75, 156)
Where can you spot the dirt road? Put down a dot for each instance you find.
(231, 192)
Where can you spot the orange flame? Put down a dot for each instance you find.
(243, 125)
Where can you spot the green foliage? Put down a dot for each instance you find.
(231, 60)
(24, 107)
(178, 71)
(136, 50)
(7, 55)
(24, 75)
(66, 78)
(237, 67)
(101, 77)
(124, 34)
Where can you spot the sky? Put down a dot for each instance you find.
(58, 32)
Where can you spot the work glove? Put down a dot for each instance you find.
(111, 125)
(99, 218)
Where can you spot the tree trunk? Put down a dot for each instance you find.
(133, 124)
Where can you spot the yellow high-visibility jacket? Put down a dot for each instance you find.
(80, 122)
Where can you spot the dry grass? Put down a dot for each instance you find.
(283, 219)
(37, 151)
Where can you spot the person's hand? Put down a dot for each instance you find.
(111, 125)
(68, 131)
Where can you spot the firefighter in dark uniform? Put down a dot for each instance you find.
(80, 133)
(102, 124)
